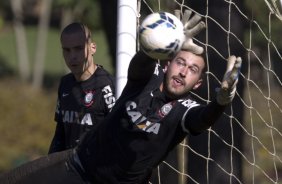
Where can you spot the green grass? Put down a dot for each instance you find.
(27, 122)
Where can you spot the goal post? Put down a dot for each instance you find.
(245, 146)
(126, 40)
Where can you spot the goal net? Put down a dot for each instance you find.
(245, 145)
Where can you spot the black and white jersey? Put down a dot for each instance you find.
(81, 106)
(142, 128)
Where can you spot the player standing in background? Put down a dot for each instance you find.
(85, 95)
(153, 114)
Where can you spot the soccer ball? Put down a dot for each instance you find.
(161, 35)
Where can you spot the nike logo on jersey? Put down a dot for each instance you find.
(65, 94)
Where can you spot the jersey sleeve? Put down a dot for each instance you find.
(200, 117)
(108, 93)
(58, 141)
(141, 68)
(57, 116)
(57, 111)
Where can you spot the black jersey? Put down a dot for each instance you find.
(81, 106)
(140, 131)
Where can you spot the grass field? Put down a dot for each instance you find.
(26, 123)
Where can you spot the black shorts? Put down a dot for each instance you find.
(55, 168)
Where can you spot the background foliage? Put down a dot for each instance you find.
(26, 123)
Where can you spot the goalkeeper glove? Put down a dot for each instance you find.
(226, 92)
(191, 28)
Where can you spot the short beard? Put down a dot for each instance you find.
(171, 95)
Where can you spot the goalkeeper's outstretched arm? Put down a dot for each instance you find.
(141, 68)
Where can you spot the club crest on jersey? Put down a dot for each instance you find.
(165, 109)
(89, 98)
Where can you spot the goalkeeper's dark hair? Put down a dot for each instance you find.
(76, 27)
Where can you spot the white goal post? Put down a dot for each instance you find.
(258, 156)
(126, 40)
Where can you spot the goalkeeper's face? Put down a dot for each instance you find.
(183, 73)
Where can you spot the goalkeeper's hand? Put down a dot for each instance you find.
(226, 92)
(192, 26)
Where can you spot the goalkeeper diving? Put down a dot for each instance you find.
(154, 113)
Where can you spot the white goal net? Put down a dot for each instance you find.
(245, 145)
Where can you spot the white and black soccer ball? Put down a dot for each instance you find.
(161, 35)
